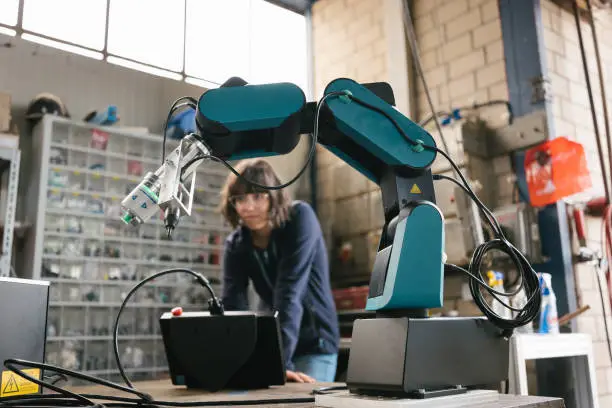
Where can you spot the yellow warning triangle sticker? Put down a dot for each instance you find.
(11, 386)
(415, 189)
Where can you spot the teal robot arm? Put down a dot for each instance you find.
(370, 135)
(400, 350)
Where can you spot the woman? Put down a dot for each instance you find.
(278, 246)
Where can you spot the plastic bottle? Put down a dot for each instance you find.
(548, 312)
(496, 281)
(518, 302)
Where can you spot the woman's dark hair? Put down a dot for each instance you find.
(261, 172)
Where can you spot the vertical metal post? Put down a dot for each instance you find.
(310, 95)
(19, 26)
(526, 69)
(12, 156)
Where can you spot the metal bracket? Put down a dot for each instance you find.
(540, 90)
(526, 131)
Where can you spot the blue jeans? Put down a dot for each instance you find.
(321, 367)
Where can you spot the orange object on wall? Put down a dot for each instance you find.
(555, 170)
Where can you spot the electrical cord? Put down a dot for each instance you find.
(412, 40)
(63, 394)
(176, 105)
(57, 378)
(603, 308)
(475, 106)
(602, 83)
(607, 220)
(430, 118)
(311, 153)
(606, 241)
(585, 67)
(65, 398)
(215, 307)
(528, 277)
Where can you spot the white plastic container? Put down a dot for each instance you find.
(496, 281)
(549, 323)
(518, 302)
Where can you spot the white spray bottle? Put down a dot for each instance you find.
(548, 312)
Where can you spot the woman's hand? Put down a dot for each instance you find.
(293, 376)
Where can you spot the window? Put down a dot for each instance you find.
(75, 21)
(151, 33)
(278, 45)
(204, 42)
(217, 34)
(253, 39)
(8, 12)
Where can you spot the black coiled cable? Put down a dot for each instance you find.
(529, 280)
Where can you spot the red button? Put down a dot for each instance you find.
(177, 311)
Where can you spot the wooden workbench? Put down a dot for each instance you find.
(164, 390)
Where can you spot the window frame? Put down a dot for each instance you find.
(104, 54)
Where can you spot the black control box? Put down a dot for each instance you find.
(236, 350)
(24, 306)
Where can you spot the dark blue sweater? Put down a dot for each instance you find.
(293, 281)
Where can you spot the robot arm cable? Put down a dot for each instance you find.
(529, 279)
(215, 307)
(311, 153)
(176, 105)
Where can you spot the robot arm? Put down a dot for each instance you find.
(170, 188)
(370, 135)
(359, 124)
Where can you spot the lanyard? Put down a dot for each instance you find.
(265, 267)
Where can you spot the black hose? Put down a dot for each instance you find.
(585, 66)
(602, 85)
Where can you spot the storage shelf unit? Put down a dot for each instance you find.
(80, 174)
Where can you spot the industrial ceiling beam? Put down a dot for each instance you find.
(297, 6)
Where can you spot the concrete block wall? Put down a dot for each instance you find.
(462, 54)
(572, 118)
(361, 40)
(461, 50)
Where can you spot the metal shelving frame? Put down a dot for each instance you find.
(85, 294)
(9, 160)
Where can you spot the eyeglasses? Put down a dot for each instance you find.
(256, 199)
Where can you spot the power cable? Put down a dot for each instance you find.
(407, 18)
(475, 106)
(311, 153)
(176, 106)
(215, 307)
(65, 398)
(585, 66)
(528, 277)
(606, 241)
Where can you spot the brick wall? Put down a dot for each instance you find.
(572, 118)
(361, 40)
(462, 53)
(461, 48)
